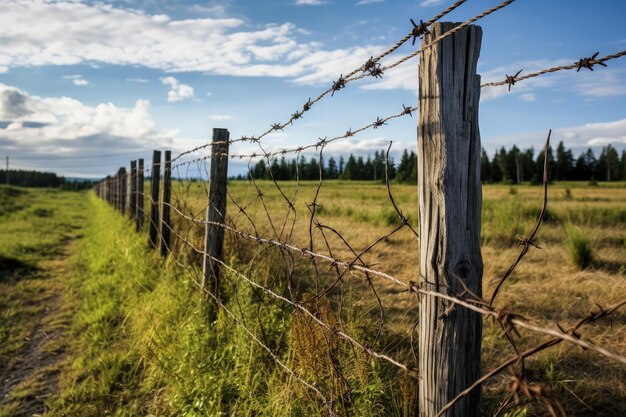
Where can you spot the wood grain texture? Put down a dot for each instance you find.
(165, 224)
(155, 184)
(216, 211)
(132, 187)
(449, 211)
(140, 196)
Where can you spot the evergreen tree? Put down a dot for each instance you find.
(485, 167)
(564, 163)
(341, 165)
(349, 171)
(332, 172)
(608, 167)
(259, 170)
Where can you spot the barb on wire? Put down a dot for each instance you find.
(511, 79)
(589, 62)
(419, 30)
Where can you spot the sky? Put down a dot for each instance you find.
(86, 86)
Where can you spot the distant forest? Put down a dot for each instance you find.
(21, 178)
(511, 166)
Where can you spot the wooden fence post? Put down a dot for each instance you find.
(449, 214)
(132, 185)
(216, 213)
(123, 190)
(165, 209)
(154, 193)
(140, 196)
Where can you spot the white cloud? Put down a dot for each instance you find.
(220, 117)
(601, 83)
(529, 97)
(362, 2)
(310, 2)
(137, 80)
(429, 3)
(3, 70)
(178, 91)
(97, 33)
(76, 79)
(63, 126)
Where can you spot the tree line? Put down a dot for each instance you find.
(515, 166)
(357, 168)
(39, 179)
(512, 166)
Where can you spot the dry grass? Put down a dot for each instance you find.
(547, 286)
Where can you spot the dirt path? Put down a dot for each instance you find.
(41, 296)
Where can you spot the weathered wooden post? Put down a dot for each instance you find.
(165, 209)
(132, 186)
(449, 213)
(123, 190)
(154, 194)
(216, 213)
(140, 196)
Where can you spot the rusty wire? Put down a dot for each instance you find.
(587, 63)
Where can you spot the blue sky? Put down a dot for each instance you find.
(85, 86)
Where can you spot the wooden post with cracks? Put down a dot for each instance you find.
(216, 213)
(165, 223)
(449, 214)
(140, 196)
(154, 194)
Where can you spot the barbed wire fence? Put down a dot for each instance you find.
(276, 239)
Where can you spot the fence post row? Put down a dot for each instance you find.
(449, 214)
(140, 196)
(216, 213)
(154, 193)
(165, 207)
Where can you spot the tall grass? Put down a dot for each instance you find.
(579, 246)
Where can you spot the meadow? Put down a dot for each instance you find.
(140, 343)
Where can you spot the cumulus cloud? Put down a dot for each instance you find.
(178, 91)
(63, 126)
(99, 33)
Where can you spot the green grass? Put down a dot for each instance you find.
(141, 342)
(36, 226)
(579, 246)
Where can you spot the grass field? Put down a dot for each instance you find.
(139, 343)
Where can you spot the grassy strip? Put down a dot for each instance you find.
(142, 344)
(37, 228)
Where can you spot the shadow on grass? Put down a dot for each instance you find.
(11, 269)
